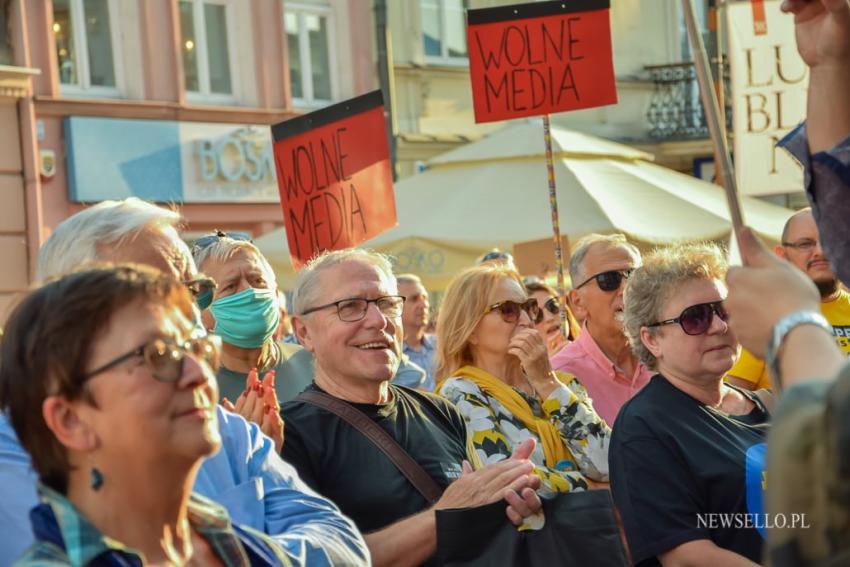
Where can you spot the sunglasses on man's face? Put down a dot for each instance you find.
(610, 280)
(697, 319)
(510, 310)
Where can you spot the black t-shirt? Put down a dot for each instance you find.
(341, 464)
(681, 471)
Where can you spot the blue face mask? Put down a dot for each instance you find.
(246, 319)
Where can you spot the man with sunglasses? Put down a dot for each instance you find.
(601, 358)
(347, 311)
(247, 475)
(801, 246)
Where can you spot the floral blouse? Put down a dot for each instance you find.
(495, 431)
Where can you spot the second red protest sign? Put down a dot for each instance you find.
(540, 58)
(334, 177)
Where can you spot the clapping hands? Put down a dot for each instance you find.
(258, 404)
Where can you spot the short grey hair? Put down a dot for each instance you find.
(408, 279)
(651, 286)
(583, 246)
(225, 248)
(307, 288)
(79, 239)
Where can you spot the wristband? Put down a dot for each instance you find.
(781, 330)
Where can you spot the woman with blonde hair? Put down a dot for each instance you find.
(494, 365)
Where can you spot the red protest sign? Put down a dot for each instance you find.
(334, 177)
(540, 58)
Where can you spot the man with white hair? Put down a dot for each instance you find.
(245, 313)
(247, 476)
(347, 311)
(601, 358)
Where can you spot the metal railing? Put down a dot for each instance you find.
(675, 109)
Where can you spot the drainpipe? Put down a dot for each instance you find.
(29, 145)
(385, 62)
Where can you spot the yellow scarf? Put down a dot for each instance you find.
(553, 446)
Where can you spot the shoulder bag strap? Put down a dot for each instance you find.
(417, 476)
(767, 399)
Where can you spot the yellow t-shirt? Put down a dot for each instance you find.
(837, 312)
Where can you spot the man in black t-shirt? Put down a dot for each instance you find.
(343, 465)
(348, 314)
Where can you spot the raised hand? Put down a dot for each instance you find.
(272, 422)
(822, 28)
(258, 404)
(530, 348)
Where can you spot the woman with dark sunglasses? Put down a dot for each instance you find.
(494, 365)
(110, 386)
(687, 452)
(548, 321)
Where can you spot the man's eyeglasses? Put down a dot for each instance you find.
(202, 290)
(210, 239)
(697, 319)
(551, 306)
(610, 280)
(164, 357)
(355, 308)
(510, 310)
(803, 245)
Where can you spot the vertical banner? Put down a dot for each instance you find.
(759, 19)
(540, 58)
(769, 81)
(334, 177)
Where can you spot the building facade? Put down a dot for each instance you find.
(168, 100)
(432, 101)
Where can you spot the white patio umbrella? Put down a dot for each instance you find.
(493, 193)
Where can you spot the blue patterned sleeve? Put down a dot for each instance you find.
(826, 179)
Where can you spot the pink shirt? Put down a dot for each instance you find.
(605, 383)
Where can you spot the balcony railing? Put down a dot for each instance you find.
(675, 109)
